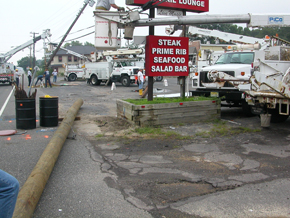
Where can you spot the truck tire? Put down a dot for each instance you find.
(95, 81)
(247, 109)
(276, 117)
(125, 80)
(159, 78)
(72, 77)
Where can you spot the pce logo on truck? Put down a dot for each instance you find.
(276, 20)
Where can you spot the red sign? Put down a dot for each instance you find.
(166, 56)
(188, 5)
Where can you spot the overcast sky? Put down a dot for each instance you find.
(19, 18)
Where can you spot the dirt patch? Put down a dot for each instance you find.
(92, 125)
(112, 124)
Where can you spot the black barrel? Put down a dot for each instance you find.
(25, 113)
(48, 111)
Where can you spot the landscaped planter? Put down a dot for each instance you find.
(169, 113)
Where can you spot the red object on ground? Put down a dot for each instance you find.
(7, 132)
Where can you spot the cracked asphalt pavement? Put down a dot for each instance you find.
(109, 170)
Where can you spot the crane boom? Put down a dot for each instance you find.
(228, 37)
(5, 57)
(77, 54)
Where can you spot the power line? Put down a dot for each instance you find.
(83, 29)
(67, 5)
(72, 39)
(76, 32)
(80, 36)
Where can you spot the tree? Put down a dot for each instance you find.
(77, 43)
(72, 44)
(25, 62)
(89, 44)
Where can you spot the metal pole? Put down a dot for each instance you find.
(195, 19)
(182, 78)
(33, 187)
(30, 56)
(150, 78)
(33, 65)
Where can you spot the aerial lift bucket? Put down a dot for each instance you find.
(106, 30)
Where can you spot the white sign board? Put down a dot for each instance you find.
(169, 12)
(269, 20)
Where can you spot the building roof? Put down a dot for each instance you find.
(81, 49)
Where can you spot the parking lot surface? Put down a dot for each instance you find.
(229, 168)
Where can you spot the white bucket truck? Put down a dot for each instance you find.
(233, 65)
(270, 84)
(115, 66)
(75, 71)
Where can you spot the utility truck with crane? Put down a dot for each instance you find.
(114, 66)
(270, 84)
(7, 70)
(110, 22)
(107, 24)
(235, 64)
(75, 71)
(267, 89)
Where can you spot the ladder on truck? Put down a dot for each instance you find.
(279, 41)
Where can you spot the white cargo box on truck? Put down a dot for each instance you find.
(97, 72)
(73, 72)
(123, 71)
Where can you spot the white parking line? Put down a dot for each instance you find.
(5, 104)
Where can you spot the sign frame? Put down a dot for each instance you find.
(198, 6)
(166, 56)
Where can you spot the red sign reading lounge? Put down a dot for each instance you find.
(166, 56)
(188, 5)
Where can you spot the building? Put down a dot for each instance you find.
(62, 57)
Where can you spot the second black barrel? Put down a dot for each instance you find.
(48, 111)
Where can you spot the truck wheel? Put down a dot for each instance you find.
(159, 78)
(72, 77)
(125, 80)
(95, 81)
(276, 117)
(247, 109)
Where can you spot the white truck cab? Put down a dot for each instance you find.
(237, 66)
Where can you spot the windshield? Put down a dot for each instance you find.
(124, 63)
(236, 58)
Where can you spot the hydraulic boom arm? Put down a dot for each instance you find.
(77, 54)
(5, 57)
